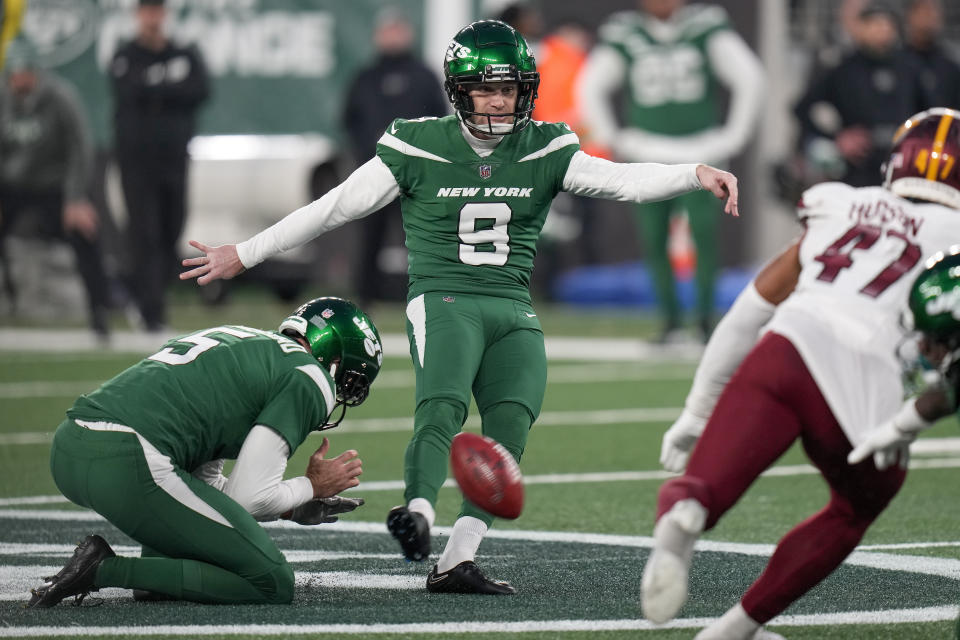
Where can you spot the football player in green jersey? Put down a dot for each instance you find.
(146, 451)
(474, 190)
(671, 59)
(935, 310)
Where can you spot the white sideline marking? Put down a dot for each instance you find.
(947, 567)
(384, 425)
(547, 478)
(894, 616)
(558, 374)
(292, 555)
(16, 581)
(394, 345)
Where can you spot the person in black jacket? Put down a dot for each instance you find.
(872, 91)
(46, 154)
(395, 85)
(941, 70)
(158, 86)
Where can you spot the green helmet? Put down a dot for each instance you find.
(490, 51)
(345, 342)
(935, 297)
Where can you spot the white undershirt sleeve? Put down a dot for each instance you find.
(211, 473)
(256, 481)
(602, 75)
(629, 182)
(731, 341)
(364, 191)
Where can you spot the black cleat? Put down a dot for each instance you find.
(466, 577)
(75, 579)
(411, 531)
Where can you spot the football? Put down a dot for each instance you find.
(487, 474)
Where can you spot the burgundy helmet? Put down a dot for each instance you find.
(925, 160)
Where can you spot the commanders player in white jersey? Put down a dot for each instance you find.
(824, 370)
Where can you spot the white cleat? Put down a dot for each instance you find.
(763, 634)
(663, 589)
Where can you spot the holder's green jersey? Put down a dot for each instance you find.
(472, 223)
(196, 399)
(670, 87)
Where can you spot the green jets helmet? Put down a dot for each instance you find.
(490, 51)
(935, 297)
(345, 342)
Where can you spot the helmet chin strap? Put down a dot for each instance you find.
(339, 404)
(336, 423)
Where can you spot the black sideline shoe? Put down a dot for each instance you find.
(75, 579)
(411, 531)
(466, 577)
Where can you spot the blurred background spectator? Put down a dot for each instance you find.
(669, 59)
(924, 23)
(395, 85)
(274, 134)
(45, 162)
(158, 86)
(850, 112)
(11, 13)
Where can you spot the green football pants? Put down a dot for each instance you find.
(200, 545)
(653, 221)
(462, 344)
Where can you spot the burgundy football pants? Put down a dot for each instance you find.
(770, 402)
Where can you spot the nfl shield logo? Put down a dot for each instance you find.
(485, 171)
(327, 314)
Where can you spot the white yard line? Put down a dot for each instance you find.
(15, 580)
(558, 374)
(533, 479)
(894, 616)
(394, 345)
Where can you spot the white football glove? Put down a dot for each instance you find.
(887, 443)
(890, 442)
(678, 441)
(324, 510)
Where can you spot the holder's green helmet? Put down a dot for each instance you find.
(345, 342)
(490, 51)
(935, 297)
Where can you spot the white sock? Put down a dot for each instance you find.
(735, 624)
(680, 527)
(424, 508)
(464, 541)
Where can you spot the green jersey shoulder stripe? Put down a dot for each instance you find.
(408, 149)
(553, 145)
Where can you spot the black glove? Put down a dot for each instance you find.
(324, 510)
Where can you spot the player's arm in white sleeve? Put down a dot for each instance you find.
(646, 181)
(737, 67)
(256, 481)
(211, 473)
(889, 443)
(601, 77)
(731, 341)
(367, 189)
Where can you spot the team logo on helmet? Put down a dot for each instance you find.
(456, 50)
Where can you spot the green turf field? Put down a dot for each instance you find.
(576, 553)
